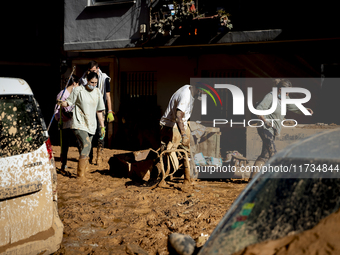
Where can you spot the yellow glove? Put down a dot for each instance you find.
(102, 133)
(110, 117)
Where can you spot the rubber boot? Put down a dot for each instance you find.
(258, 164)
(187, 179)
(87, 164)
(87, 168)
(100, 151)
(91, 156)
(82, 167)
(63, 163)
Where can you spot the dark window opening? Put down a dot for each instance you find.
(138, 113)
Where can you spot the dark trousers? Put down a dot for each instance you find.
(166, 134)
(268, 145)
(65, 144)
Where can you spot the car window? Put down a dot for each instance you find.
(21, 125)
(274, 208)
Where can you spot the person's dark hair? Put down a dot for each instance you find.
(91, 64)
(92, 75)
(73, 79)
(284, 83)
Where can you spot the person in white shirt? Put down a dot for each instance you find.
(89, 105)
(177, 113)
(179, 110)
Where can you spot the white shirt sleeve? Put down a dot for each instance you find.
(183, 102)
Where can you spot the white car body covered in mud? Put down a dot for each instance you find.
(29, 221)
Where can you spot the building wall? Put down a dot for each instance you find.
(174, 71)
(102, 27)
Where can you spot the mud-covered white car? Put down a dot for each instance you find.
(29, 220)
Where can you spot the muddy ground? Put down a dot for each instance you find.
(109, 215)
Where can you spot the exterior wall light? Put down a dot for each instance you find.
(142, 31)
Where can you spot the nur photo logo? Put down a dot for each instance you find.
(204, 97)
(280, 100)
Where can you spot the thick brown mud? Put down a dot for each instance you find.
(109, 215)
